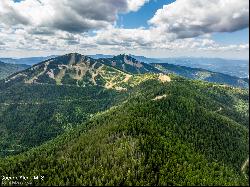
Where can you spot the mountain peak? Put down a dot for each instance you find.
(71, 54)
(72, 69)
(125, 57)
(57, 70)
(129, 64)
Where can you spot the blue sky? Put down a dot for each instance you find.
(201, 28)
(237, 37)
(141, 17)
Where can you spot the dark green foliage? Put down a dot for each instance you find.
(67, 80)
(100, 80)
(181, 139)
(33, 114)
(45, 78)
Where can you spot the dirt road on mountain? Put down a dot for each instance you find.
(243, 168)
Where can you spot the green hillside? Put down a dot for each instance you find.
(202, 74)
(162, 131)
(8, 69)
(73, 70)
(82, 70)
(56, 95)
(52, 97)
(129, 64)
(30, 115)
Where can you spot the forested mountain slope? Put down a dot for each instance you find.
(202, 74)
(162, 132)
(81, 70)
(32, 114)
(56, 95)
(8, 69)
(129, 64)
(70, 69)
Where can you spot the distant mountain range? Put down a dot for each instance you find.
(97, 56)
(27, 61)
(202, 74)
(53, 70)
(237, 68)
(131, 65)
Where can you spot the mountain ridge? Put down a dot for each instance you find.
(27, 60)
(202, 74)
(7, 69)
(126, 64)
(78, 70)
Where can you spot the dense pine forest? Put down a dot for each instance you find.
(120, 127)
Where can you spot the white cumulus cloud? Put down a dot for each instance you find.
(191, 18)
(67, 15)
(134, 5)
(60, 26)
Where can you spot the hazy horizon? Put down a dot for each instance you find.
(166, 57)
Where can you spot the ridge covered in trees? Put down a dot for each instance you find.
(155, 131)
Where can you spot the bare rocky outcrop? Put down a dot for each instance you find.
(164, 78)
